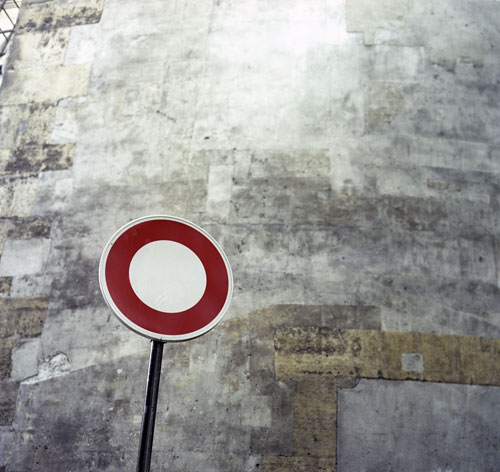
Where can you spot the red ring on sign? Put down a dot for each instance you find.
(118, 283)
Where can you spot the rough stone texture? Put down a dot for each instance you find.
(5, 284)
(41, 158)
(379, 354)
(439, 427)
(343, 152)
(22, 317)
(53, 14)
(26, 124)
(315, 417)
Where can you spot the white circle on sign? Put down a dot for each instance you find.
(167, 276)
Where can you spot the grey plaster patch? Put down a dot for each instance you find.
(82, 44)
(24, 256)
(392, 425)
(25, 359)
(412, 362)
(256, 411)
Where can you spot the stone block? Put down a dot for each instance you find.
(52, 15)
(384, 101)
(430, 110)
(5, 157)
(47, 157)
(31, 286)
(39, 49)
(44, 85)
(277, 464)
(256, 411)
(25, 124)
(6, 346)
(394, 346)
(313, 165)
(388, 355)
(297, 464)
(475, 359)
(315, 417)
(8, 398)
(24, 256)
(440, 353)
(17, 194)
(22, 317)
(5, 285)
(54, 192)
(408, 24)
(28, 228)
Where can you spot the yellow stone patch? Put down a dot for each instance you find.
(378, 354)
(320, 360)
(315, 416)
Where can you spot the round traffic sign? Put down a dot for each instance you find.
(165, 278)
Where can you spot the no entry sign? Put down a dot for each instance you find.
(165, 278)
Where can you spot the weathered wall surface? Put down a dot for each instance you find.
(345, 154)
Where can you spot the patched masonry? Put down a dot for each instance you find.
(34, 79)
(322, 360)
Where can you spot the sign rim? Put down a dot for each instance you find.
(135, 327)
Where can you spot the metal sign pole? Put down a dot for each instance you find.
(148, 418)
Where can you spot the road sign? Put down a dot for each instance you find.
(165, 278)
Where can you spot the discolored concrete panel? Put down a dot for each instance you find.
(392, 426)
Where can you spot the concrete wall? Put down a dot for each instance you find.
(345, 154)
